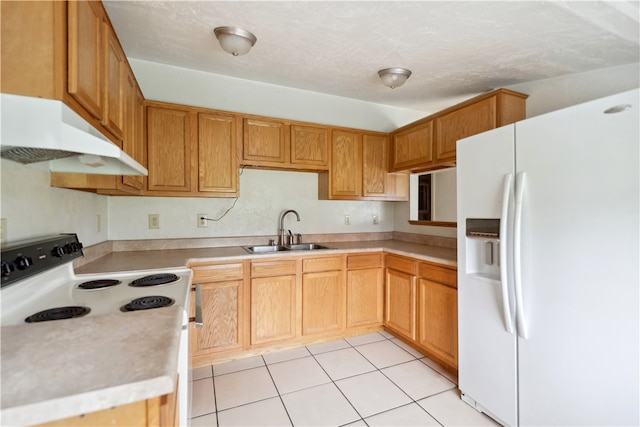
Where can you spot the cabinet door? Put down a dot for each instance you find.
(221, 315)
(217, 154)
(85, 47)
(133, 142)
(473, 119)
(264, 141)
(346, 164)
(374, 165)
(114, 71)
(412, 147)
(438, 319)
(273, 309)
(365, 297)
(322, 302)
(309, 147)
(400, 313)
(169, 145)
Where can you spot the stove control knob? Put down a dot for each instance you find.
(7, 268)
(58, 252)
(71, 248)
(23, 262)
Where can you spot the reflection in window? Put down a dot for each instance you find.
(424, 197)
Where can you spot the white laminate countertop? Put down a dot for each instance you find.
(55, 370)
(178, 258)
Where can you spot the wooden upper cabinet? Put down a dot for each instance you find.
(374, 165)
(115, 72)
(264, 142)
(170, 141)
(346, 164)
(430, 143)
(412, 147)
(309, 146)
(134, 136)
(217, 154)
(86, 22)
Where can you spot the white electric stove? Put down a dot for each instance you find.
(39, 285)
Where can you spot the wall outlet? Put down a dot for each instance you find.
(202, 221)
(3, 230)
(154, 221)
(374, 219)
(347, 220)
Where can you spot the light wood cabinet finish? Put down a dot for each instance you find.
(430, 143)
(400, 300)
(134, 141)
(170, 141)
(273, 309)
(346, 165)
(323, 299)
(217, 154)
(115, 67)
(309, 146)
(192, 152)
(438, 319)
(264, 141)
(365, 290)
(222, 290)
(85, 55)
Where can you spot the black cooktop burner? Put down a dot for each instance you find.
(146, 303)
(154, 280)
(99, 284)
(58, 313)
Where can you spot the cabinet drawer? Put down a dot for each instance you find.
(401, 264)
(310, 265)
(217, 273)
(446, 276)
(364, 261)
(273, 268)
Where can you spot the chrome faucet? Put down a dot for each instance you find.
(281, 232)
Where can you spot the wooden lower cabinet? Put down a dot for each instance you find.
(438, 319)
(365, 290)
(400, 313)
(273, 301)
(161, 411)
(323, 295)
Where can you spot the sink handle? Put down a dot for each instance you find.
(298, 239)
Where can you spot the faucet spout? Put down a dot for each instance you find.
(281, 232)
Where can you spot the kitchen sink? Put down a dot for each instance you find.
(262, 249)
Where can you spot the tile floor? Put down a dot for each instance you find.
(368, 380)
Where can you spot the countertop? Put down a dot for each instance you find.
(179, 258)
(55, 370)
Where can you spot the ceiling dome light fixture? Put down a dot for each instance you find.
(235, 40)
(394, 77)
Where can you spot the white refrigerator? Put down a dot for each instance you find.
(548, 267)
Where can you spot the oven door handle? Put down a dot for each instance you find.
(198, 319)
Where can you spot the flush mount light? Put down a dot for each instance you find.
(235, 40)
(394, 77)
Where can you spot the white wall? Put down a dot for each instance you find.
(33, 209)
(264, 195)
(167, 83)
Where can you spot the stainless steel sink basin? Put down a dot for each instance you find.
(306, 247)
(263, 249)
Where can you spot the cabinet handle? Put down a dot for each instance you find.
(198, 319)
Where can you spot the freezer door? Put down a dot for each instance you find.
(487, 351)
(580, 265)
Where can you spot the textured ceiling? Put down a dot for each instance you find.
(455, 49)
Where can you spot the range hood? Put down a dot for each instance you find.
(36, 130)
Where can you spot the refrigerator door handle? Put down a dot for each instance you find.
(504, 277)
(521, 179)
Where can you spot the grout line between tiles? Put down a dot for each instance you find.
(279, 394)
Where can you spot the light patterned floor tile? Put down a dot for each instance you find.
(412, 351)
(365, 339)
(440, 369)
(242, 387)
(268, 412)
(409, 415)
(324, 347)
(209, 420)
(417, 379)
(344, 363)
(200, 373)
(297, 374)
(449, 410)
(284, 355)
(322, 405)
(372, 393)
(203, 397)
(384, 353)
(237, 365)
